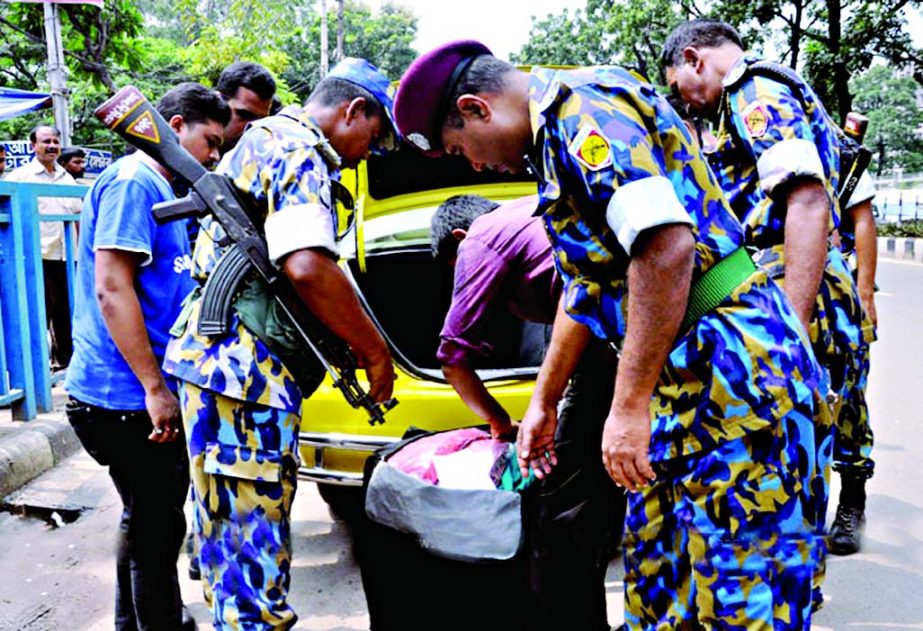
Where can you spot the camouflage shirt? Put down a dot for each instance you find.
(768, 136)
(285, 164)
(615, 160)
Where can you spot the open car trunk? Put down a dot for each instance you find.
(408, 294)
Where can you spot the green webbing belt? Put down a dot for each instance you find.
(716, 284)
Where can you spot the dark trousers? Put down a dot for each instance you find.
(152, 479)
(57, 312)
(579, 511)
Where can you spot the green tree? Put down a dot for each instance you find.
(636, 31)
(564, 39)
(104, 50)
(895, 118)
(384, 39)
(622, 32)
(221, 32)
(95, 40)
(828, 41)
(846, 38)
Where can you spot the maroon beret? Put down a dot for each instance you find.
(422, 97)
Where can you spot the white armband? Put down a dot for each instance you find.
(642, 204)
(864, 191)
(788, 159)
(299, 227)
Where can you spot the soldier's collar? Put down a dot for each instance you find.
(320, 142)
(544, 90)
(738, 70)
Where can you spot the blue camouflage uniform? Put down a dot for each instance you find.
(241, 405)
(240, 402)
(766, 137)
(729, 534)
(852, 433)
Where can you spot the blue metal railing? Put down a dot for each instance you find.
(25, 367)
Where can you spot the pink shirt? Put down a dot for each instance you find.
(504, 262)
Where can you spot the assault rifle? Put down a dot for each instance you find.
(132, 116)
(854, 127)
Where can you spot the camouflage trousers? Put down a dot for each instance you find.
(732, 538)
(839, 330)
(853, 438)
(244, 472)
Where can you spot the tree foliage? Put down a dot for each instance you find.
(385, 39)
(563, 39)
(104, 49)
(155, 44)
(828, 41)
(221, 32)
(895, 118)
(635, 31)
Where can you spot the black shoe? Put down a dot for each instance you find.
(188, 623)
(846, 532)
(195, 573)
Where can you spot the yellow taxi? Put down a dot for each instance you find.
(388, 258)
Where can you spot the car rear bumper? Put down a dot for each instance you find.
(319, 445)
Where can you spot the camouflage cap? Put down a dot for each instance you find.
(366, 75)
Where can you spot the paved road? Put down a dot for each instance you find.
(62, 578)
(882, 587)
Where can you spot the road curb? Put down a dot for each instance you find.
(900, 248)
(29, 449)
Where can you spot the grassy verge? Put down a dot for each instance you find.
(912, 229)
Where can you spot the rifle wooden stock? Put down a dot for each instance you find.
(129, 114)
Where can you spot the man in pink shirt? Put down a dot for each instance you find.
(503, 261)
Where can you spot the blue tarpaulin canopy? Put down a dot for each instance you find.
(15, 102)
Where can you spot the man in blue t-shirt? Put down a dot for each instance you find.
(131, 282)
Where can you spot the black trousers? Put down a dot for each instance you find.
(579, 512)
(57, 311)
(152, 480)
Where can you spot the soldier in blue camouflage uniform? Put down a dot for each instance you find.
(853, 438)
(711, 425)
(241, 404)
(777, 159)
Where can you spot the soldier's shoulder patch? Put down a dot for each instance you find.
(591, 149)
(756, 119)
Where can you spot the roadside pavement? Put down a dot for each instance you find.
(29, 448)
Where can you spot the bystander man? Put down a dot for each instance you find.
(74, 161)
(44, 169)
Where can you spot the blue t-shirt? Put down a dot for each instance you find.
(117, 215)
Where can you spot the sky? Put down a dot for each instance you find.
(502, 25)
(914, 24)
